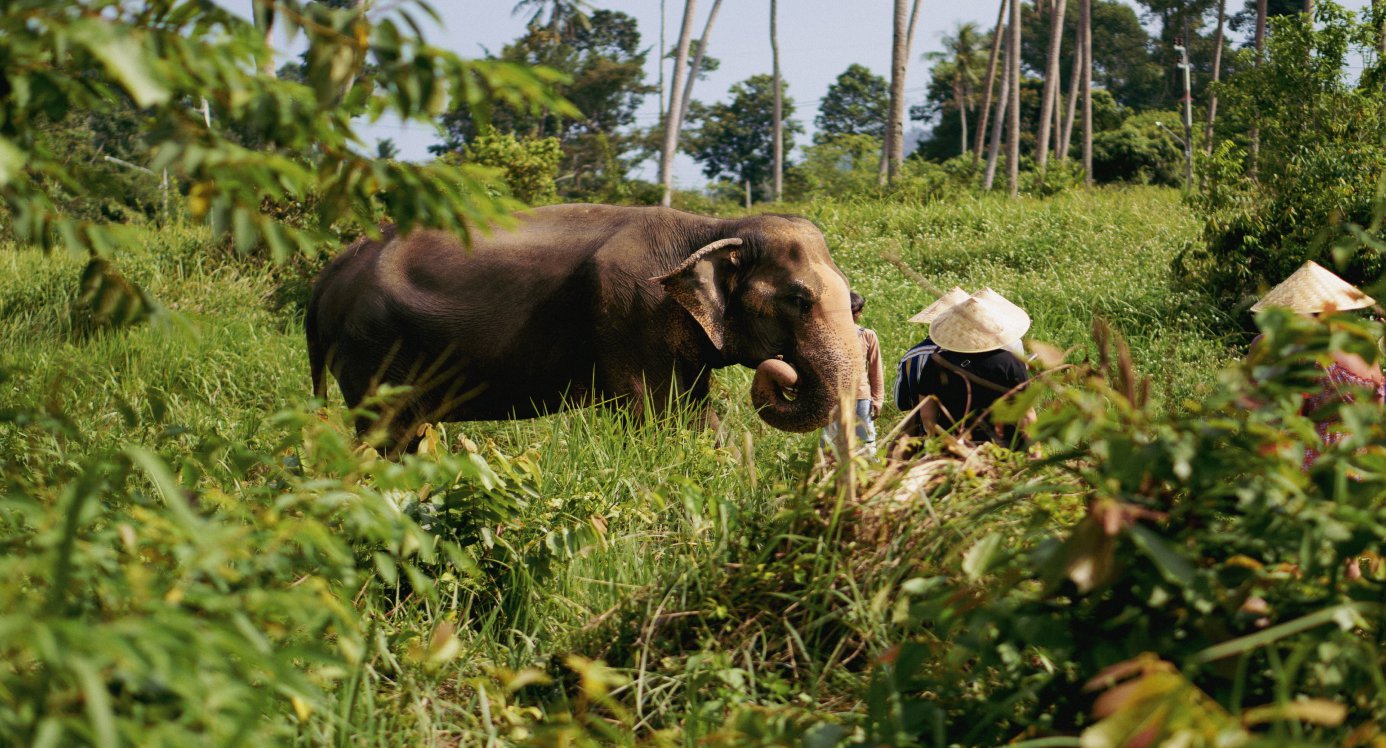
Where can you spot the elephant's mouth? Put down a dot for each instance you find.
(783, 397)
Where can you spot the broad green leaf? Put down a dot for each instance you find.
(124, 58)
(981, 556)
(98, 704)
(12, 161)
(1171, 565)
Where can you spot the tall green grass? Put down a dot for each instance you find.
(620, 524)
(1066, 259)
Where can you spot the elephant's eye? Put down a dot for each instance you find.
(801, 303)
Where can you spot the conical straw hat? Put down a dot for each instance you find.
(978, 325)
(990, 295)
(945, 302)
(1311, 290)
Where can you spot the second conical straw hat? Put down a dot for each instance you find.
(945, 302)
(978, 325)
(1313, 289)
(989, 295)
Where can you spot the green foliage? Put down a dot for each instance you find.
(735, 139)
(603, 65)
(212, 593)
(838, 167)
(1320, 161)
(1124, 63)
(590, 577)
(109, 150)
(528, 167)
(944, 141)
(1143, 150)
(855, 104)
(1203, 544)
(163, 56)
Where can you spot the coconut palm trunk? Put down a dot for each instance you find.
(989, 87)
(998, 121)
(1254, 148)
(1051, 86)
(960, 98)
(1071, 111)
(1217, 73)
(899, 60)
(697, 65)
(674, 115)
(778, 184)
(1085, 83)
(1013, 157)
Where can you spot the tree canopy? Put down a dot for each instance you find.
(257, 139)
(855, 104)
(732, 140)
(604, 68)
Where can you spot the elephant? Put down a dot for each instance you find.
(577, 304)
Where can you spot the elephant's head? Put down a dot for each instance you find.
(769, 297)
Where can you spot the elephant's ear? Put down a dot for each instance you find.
(701, 285)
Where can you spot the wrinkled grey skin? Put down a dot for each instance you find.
(583, 303)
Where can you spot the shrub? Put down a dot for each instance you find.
(219, 594)
(839, 166)
(1205, 564)
(1320, 161)
(1142, 150)
(528, 166)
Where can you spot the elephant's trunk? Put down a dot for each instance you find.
(800, 396)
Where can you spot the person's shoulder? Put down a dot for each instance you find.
(1000, 360)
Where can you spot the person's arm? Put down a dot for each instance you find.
(928, 416)
(875, 374)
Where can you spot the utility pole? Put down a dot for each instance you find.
(1188, 112)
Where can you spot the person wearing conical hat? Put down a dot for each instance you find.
(971, 368)
(912, 363)
(1313, 290)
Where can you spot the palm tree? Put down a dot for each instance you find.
(674, 115)
(1260, 44)
(1217, 72)
(961, 54)
(1085, 83)
(777, 188)
(1013, 157)
(903, 39)
(1051, 84)
(565, 16)
(697, 64)
(987, 88)
(998, 121)
(1070, 111)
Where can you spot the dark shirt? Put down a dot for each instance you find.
(907, 392)
(963, 398)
